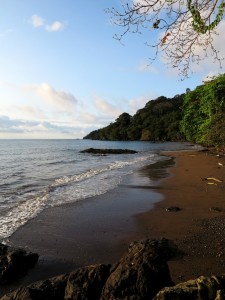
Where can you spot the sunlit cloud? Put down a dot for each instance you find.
(37, 22)
(55, 26)
(29, 112)
(106, 107)
(60, 100)
(35, 129)
(207, 63)
(8, 125)
(139, 102)
(88, 118)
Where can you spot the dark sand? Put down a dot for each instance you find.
(99, 230)
(199, 228)
(95, 230)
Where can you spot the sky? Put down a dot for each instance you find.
(62, 74)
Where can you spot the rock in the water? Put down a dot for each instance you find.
(108, 151)
(87, 283)
(141, 272)
(14, 263)
(202, 288)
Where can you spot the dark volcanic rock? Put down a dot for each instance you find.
(202, 288)
(141, 272)
(82, 284)
(108, 151)
(87, 283)
(52, 289)
(14, 263)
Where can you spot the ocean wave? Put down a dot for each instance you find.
(93, 172)
(68, 189)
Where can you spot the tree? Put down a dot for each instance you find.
(204, 113)
(186, 27)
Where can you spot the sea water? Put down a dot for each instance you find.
(38, 174)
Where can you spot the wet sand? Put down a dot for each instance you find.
(95, 230)
(100, 229)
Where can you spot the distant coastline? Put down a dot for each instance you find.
(197, 116)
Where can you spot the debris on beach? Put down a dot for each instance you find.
(217, 209)
(212, 178)
(173, 208)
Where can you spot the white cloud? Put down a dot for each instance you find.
(207, 64)
(88, 118)
(29, 112)
(42, 111)
(106, 107)
(139, 102)
(210, 67)
(37, 21)
(61, 100)
(55, 26)
(17, 128)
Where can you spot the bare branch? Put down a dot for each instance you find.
(184, 26)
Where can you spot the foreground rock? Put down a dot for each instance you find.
(108, 151)
(14, 263)
(202, 288)
(87, 283)
(52, 289)
(140, 274)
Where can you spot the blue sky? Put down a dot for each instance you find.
(63, 75)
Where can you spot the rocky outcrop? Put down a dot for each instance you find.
(141, 274)
(202, 288)
(87, 283)
(108, 151)
(51, 289)
(14, 263)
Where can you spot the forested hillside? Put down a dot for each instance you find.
(203, 117)
(159, 120)
(197, 116)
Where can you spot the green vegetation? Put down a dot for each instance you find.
(197, 116)
(158, 121)
(203, 118)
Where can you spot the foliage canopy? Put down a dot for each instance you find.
(197, 116)
(203, 118)
(159, 120)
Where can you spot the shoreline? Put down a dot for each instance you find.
(198, 227)
(137, 211)
(95, 230)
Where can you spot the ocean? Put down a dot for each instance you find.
(38, 174)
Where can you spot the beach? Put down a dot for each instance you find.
(198, 227)
(138, 209)
(94, 230)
